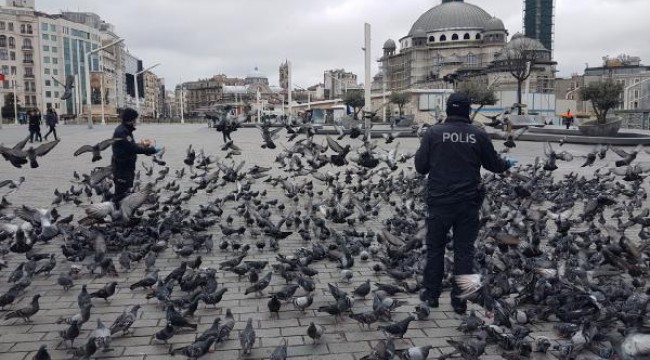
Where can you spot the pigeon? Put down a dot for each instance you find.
(303, 302)
(96, 149)
(102, 336)
(27, 312)
(247, 337)
(259, 285)
(414, 353)
(125, 320)
(105, 292)
(422, 311)
(280, 352)
(87, 351)
(315, 332)
(362, 290)
(71, 333)
(196, 349)
(166, 333)
(274, 306)
(148, 281)
(42, 354)
(21, 157)
(397, 329)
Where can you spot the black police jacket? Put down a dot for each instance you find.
(452, 153)
(125, 151)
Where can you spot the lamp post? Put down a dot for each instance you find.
(15, 102)
(135, 83)
(88, 97)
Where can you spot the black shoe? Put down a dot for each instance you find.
(431, 301)
(460, 307)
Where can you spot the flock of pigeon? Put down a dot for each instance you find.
(568, 250)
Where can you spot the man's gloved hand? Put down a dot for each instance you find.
(158, 148)
(511, 161)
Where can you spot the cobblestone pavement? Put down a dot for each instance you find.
(343, 340)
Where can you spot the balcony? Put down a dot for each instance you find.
(27, 48)
(28, 61)
(29, 76)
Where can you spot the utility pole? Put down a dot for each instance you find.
(368, 82)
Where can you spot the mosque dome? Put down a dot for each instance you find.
(390, 45)
(494, 24)
(451, 15)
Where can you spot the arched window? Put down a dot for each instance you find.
(432, 39)
(478, 36)
(454, 37)
(466, 37)
(22, 28)
(443, 38)
(27, 43)
(29, 28)
(12, 42)
(3, 41)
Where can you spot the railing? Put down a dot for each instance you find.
(27, 47)
(29, 75)
(28, 61)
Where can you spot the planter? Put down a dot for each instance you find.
(592, 128)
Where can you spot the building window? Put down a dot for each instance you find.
(432, 39)
(34, 99)
(11, 26)
(443, 37)
(636, 81)
(46, 37)
(13, 70)
(55, 60)
(12, 55)
(55, 72)
(29, 29)
(2, 25)
(44, 27)
(636, 93)
(466, 37)
(52, 27)
(46, 71)
(46, 59)
(3, 41)
(454, 37)
(478, 36)
(55, 49)
(12, 42)
(48, 83)
(48, 94)
(46, 48)
(22, 28)
(53, 37)
(56, 94)
(27, 43)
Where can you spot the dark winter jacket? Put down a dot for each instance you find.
(125, 152)
(452, 153)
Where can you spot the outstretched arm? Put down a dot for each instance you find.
(422, 155)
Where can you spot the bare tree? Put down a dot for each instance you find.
(479, 93)
(520, 59)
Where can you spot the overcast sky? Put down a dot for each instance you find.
(200, 38)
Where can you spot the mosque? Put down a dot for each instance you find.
(459, 40)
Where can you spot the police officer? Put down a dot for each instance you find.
(125, 153)
(452, 153)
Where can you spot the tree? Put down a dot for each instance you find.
(604, 96)
(521, 55)
(479, 93)
(8, 108)
(400, 99)
(356, 100)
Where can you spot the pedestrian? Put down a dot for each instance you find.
(51, 119)
(34, 119)
(568, 119)
(125, 153)
(225, 124)
(452, 154)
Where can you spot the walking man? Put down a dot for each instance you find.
(125, 154)
(452, 153)
(51, 119)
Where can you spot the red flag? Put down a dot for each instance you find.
(2, 76)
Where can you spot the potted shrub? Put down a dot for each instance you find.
(604, 96)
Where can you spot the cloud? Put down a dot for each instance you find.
(200, 38)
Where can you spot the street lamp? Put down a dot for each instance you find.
(135, 83)
(88, 97)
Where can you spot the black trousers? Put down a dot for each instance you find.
(52, 131)
(462, 219)
(226, 136)
(123, 182)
